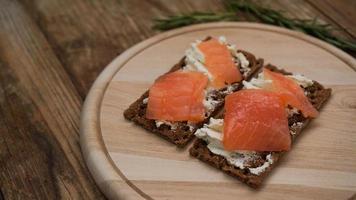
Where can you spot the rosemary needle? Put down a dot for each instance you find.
(193, 18)
(260, 13)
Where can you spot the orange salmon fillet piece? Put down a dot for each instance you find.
(177, 96)
(255, 120)
(290, 92)
(219, 62)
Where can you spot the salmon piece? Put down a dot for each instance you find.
(219, 62)
(255, 120)
(177, 96)
(290, 92)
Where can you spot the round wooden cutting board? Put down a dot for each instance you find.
(130, 163)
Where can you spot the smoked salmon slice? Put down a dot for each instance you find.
(177, 96)
(255, 120)
(219, 62)
(290, 92)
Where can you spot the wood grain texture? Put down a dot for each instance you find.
(39, 113)
(51, 52)
(341, 12)
(330, 12)
(87, 35)
(309, 9)
(319, 166)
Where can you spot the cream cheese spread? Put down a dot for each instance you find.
(244, 63)
(292, 111)
(301, 80)
(212, 134)
(231, 88)
(295, 127)
(208, 102)
(257, 83)
(263, 167)
(195, 60)
(171, 124)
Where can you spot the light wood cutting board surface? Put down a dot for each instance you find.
(130, 163)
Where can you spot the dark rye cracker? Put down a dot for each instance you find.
(182, 134)
(316, 94)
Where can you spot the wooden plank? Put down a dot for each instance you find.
(302, 9)
(306, 9)
(341, 12)
(87, 35)
(40, 157)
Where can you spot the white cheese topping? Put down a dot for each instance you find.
(222, 40)
(145, 101)
(208, 102)
(195, 60)
(216, 124)
(301, 80)
(292, 132)
(173, 125)
(212, 134)
(262, 168)
(295, 127)
(243, 60)
(161, 122)
(256, 83)
(231, 88)
(244, 63)
(191, 126)
(292, 111)
(233, 50)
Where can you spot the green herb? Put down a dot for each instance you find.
(192, 18)
(263, 14)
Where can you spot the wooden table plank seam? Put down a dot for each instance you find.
(316, 5)
(36, 99)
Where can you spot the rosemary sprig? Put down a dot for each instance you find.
(260, 13)
(310, 27)
(192, 18)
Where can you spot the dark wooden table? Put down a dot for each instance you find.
(50, 54)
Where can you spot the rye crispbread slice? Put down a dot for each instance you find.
(317, 95)
(183, 133)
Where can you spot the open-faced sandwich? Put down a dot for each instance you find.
(243, 124)
(259, 123)
(180, 101)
